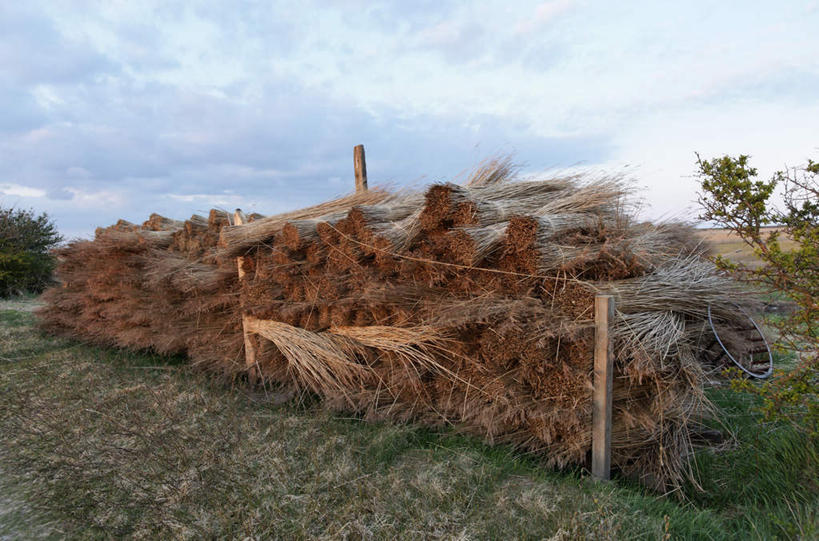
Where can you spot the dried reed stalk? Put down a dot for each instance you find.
(156, 239)
(524, 189)
(493, 171)
(398, 236)
(685, 286)
(218, 218)
(195, 225)
(394, 209)
(418, 346)
(297, 233)
(316, 359)
(498, 203)
(603, 198)
(453, 312)
(471, 245)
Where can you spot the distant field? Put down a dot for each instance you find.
(729, 245)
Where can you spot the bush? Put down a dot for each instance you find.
(26, 264)
(735, 199)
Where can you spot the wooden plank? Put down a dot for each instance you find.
(360, 165)
(603, 380)
(239, 218)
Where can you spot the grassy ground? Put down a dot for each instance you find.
(102, 443)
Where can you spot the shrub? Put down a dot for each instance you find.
(26, 264)
(734, 198)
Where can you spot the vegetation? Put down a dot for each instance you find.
(26, 265)
(105, 443)
(735, 198)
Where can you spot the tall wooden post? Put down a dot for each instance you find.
(601, 399)
(250, 351)
(360, 165)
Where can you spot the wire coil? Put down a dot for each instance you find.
(764, 375)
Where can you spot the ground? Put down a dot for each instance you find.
(104, 443)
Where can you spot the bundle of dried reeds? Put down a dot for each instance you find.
(152, 287)
(239, 239)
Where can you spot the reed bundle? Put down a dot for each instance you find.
(316, 360)
(474, 244)
(156, 222)
(239, 239)
(296, 233)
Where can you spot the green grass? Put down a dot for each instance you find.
(773, 474)
(13, 318)
(104, 443)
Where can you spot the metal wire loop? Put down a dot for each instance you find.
(769, 371)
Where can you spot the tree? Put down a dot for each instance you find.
(26, 264)
(734, 198)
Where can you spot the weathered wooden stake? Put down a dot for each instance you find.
(360, 165)
(239, 218)
(601, 399)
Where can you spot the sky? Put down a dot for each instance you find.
(118, 109)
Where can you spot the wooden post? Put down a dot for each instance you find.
(239, 218)
(601, 399)
(250, 351)
(360, 165)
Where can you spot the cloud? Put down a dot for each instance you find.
(60, 194)
(33, 51)
(211, 200)
(398, 15)
(455, 41)
(21, 191)
(160, 106)
(21, 112)
(544, 14)
(165, 147)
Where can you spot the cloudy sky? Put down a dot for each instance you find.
(121, 108)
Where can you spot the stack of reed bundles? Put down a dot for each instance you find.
(464, 305)
(471, 305)
(157, 286)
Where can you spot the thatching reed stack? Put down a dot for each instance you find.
(465, 305)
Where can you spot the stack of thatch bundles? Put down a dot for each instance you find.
(472, 305)
(157, 286)
(465, 305)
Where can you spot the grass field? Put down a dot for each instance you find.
(103, 443)
(729, 245)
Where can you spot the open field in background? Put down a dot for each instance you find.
(729, 245)
(100, 442)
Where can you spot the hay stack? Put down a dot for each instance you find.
(464, 305)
